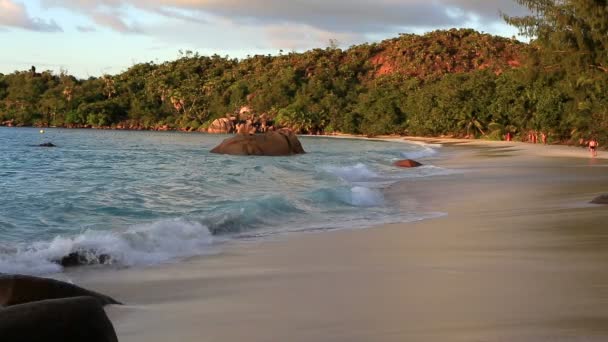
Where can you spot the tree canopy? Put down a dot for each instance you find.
(570, 61)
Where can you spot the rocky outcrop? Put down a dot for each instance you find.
(221, 126)
(83, 258)
(20, 289)
(602, 199)
(407, 163)
(274, 143)
(246, 127)
(47, 144)
(75, 319)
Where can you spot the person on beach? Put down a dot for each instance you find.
(593, 144)
(509, 137)
(543, 136)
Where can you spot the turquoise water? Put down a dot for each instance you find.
(148, 197)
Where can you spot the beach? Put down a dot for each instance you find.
(518, 254)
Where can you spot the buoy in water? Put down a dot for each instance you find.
(41, 131)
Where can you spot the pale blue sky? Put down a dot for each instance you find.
(93, 37)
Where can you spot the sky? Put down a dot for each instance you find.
(95, 37)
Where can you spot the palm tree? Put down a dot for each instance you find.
(470, 120)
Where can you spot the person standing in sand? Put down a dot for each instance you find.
(593, 144)
(543, 136)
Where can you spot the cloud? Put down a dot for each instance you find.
(290, 24)
(13, 14)
(329, 15)
(85, 29)
(304, 37)
(115, 22)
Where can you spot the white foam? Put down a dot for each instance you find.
(364, 197)
(425, 152)
(143, 244)
(356, 173)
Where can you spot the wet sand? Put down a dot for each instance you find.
(520, 256)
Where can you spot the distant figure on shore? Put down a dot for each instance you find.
(593, 144)
(543, 136)
(532, 137)
(509, 137)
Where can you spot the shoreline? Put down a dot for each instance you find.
(521, 258)
(602, 152)
(550, 150)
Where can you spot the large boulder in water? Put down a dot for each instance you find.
(221, 126)
(274, 143)
(407, 163)
(75, 319)
(602, 199)
(19, 289)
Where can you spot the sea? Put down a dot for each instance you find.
(138, 198)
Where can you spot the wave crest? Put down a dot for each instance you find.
(143, 244)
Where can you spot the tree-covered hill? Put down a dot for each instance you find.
(443, 52)
(456, 82)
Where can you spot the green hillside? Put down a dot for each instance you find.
(456, 82)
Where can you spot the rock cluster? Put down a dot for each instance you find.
(243, 121)
(39, 309)
(221, 126)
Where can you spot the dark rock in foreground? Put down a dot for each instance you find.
(47, 144)
(274, 143)
(407, 163)
(602, 199)
(75, 319)
(20, 289)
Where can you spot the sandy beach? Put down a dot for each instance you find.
(519, 255)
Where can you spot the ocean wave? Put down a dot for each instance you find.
(353, 173)
(143, 244)
(165, 240)
(425, 152)
(231, 217)
(356, 196)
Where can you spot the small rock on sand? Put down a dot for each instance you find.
(602, 199)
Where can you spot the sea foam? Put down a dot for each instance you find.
(143, 244)
(426, 151)
(352, 173)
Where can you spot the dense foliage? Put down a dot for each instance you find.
(569, 64)
(456, 82)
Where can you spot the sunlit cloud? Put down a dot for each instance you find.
(14, 15)
(340, 16)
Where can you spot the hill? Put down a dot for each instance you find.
(445, 82)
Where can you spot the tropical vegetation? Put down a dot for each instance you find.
(455, 82)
